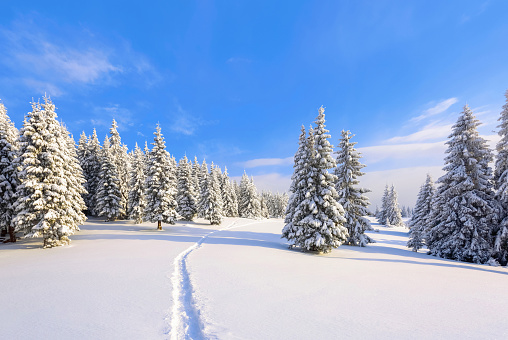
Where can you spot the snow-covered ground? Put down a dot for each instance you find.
(124, 281)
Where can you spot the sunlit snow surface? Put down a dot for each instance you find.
(118, 280)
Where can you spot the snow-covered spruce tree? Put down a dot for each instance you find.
(74, 178)
(418, 224)
(248, 203)
(466, 209)
(186, 197)
(82, 153)
(195, 181)
(382, 216)
(298, 187)
(137, 201)
(44, 205)
(228, 195)
(203, 187)
(213, 199)
(319, 218)
(160, 184)
(8, 180)
(393, 214)
(263, 204)
(351, 197)
(108, 197)
(501, 185)
(92, 164)
(121, 160)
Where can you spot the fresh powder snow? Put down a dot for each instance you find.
(239, 280)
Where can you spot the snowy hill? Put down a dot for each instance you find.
(118, 280)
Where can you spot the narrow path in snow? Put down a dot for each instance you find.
(185, 318)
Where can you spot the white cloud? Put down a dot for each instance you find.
(409, 152)
(184, 122)
(429, 132)
(436, 109)
(48, 62)
(254, 163)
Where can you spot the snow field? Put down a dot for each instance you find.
(250, 286)
(118, 280)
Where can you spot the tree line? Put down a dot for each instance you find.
(48, 184)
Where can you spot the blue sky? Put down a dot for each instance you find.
(233, 81)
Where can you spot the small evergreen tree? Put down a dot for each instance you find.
(160, 184)
(382, 217)
(393, 213)
(298, 185)
(351, 197)
(418, 225)
(187, 206)
(137, 201)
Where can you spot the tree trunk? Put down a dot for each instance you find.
(12, 234)
(159, 225)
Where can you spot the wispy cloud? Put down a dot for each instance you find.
(123, 116)
(186, 123)
(47, 62)
(440, 107)
(429, 132)
(260, 162)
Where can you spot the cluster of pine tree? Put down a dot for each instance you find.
(275, 203)
(390, 213)
(326, 209)
(151, 186)
(47, 183)
(465, 217)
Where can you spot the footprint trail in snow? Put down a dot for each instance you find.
(185, 316)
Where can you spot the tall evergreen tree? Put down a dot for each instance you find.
(248, 203)
(351, 197)
(320, 217)
(8, 180)
(228, 195)
(298, 184)
(91, 169)
(108, 196)
(121, 160)
(418, 224)
(501, 185)
(44, 204)
(137, 201)
(160, 184)
(195, 181)
(466, 207)
(203, 187)
(187, 205)
(213, 199)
